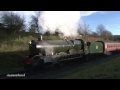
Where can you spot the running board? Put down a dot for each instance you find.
(70, 58)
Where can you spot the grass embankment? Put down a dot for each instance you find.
(14, 47)
(106, 69)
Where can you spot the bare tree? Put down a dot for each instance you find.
(12, 22)
(80, 29)
(94, 33)
(32, 30)
(107, 34)
(100, 29)
(103, 32)
(34, 21)
(84, 29)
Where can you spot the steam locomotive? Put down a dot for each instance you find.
(44, 52)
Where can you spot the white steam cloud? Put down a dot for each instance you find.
(66, 22)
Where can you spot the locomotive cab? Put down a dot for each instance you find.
(87, 47)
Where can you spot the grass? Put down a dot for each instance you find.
(14, 47)
(109, 69)
(9, 61)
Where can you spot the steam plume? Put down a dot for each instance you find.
(65, 21)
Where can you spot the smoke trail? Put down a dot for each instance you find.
(65, 21)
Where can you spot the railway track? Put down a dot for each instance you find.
(49, 70)
(14, 75)
(70, 66)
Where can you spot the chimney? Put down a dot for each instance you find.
(40, 38)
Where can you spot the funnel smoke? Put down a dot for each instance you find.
(66, 22)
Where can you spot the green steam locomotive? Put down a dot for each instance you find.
(55, 51)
